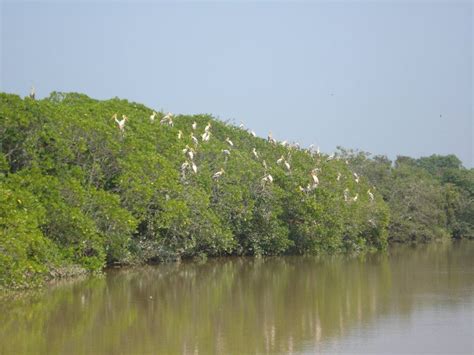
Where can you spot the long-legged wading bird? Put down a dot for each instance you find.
(153, 116)
(218, 174)
(205, 137)
(229, 141)
(346, 194)
(287, 165)
(194, 125)
(194, 167)
(121, 123)
(194, 139)
(254, 152)
(180, 134)
(32, 92)
(226, 151)
(281, 160)
(338, 176)
(267, 178)
(208, 127)
(356, 178)
(371, 195)
(253, 133)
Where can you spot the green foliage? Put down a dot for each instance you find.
(94, 195)
(429, 198)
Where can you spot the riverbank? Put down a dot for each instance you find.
(87, 183)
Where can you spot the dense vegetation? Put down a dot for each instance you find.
(78, 193)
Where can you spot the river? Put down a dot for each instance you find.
(409, 300)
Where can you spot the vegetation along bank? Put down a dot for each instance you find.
(87, 183)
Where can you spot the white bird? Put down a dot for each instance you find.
(287, 165)
(229, 141)
(318, 151)
(152, 116)
(338, 176)
(32, 93)
(186, 149)
(194, 125)
(254, 152)
(241, 126)
(205, 136)
(279, 161)
(331, 157)
(190, 154)
(371, 195)
(194, 167)
(264, 163)
(184, 166)
(315, 178)
(218, 174)
(284, 143)
(253, 133)
(346, 195)
(194, 139)
(267, 178)
(226, 151)
(355, 197)
(180, 134)
(270, 138)
(356, 178)
(168, 119)
(208, 127)
(121, 123)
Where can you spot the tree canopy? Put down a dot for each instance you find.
(86, 183)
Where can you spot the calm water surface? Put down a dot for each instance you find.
(412, 300)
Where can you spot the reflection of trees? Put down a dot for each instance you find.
(234, 305)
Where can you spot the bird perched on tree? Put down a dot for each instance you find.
(355, 197)
(205, 137)
(267, 178)
(218, 174)
(194, 167)
(152, 116)
(270, 138)
(208, 127)
(315, 178)
(346, 195)
(229, 141)
(287, 165)
(226, 151)
(281, 160)
(254, 152)
(253, 133)
(194, 125)
(32, 93)
(167, 119)
(180, 134)
(338, 176)
(194, 139)
(121, 123)
(190, 153)
(371, 195)
(356, 178)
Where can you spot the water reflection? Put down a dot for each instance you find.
(235, 305)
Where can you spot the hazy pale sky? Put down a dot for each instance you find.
(389, 77)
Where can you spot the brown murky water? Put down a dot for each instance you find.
(411, 300)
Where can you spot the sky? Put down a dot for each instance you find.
(387, 77)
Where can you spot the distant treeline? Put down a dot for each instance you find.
(86, 183)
